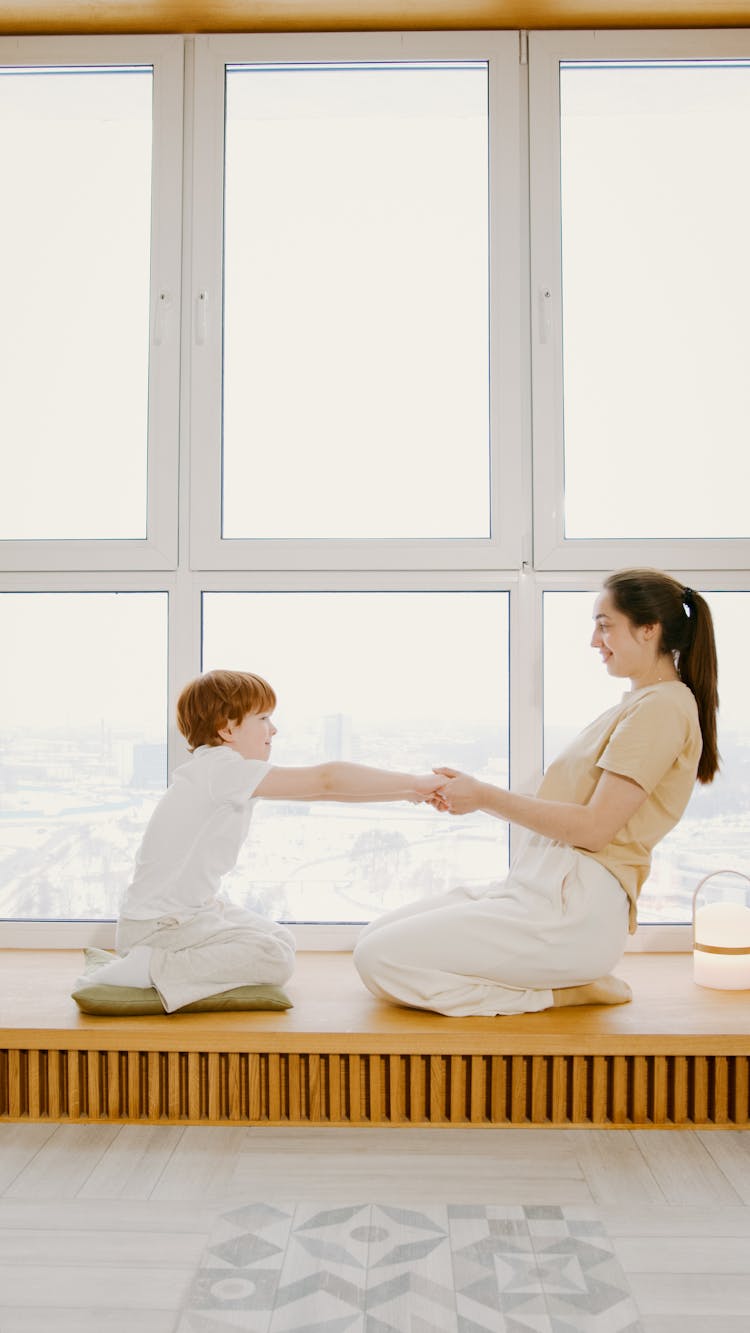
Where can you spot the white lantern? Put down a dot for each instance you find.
(721, 941)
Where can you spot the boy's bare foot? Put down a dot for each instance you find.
(605, 990)
(133, 969)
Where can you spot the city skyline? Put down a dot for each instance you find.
(68, 852)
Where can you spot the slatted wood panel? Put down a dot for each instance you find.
(195, 1087)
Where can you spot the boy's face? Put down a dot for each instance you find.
(251, 737)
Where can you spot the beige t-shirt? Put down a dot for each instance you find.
(652, 736)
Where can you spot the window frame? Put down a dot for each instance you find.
(74, 934)
(210, 565)
(502, 549)
(158, 549)
(526, 593)
(185, 592)
(650, 936)
(552, 550)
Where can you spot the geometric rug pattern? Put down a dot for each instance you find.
(379, 1268)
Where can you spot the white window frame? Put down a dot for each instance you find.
(526, 591)
(158, 550)
(331, 935)
(502, 548)
(650, 937)
(185, 592)
(351, 566)
(21, 934)
(552, 550)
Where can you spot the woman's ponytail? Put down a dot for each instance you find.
(698, 669)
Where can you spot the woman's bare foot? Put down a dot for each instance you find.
(605, 990)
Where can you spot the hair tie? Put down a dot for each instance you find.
(687, 600)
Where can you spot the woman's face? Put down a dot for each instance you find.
(625, 649)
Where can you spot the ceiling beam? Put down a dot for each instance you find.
(22, 17)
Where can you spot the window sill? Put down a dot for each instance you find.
(311, 938)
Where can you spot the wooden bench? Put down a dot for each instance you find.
(678, 1055)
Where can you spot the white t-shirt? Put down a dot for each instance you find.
(194, 835)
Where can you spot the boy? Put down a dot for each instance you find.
(177, 931)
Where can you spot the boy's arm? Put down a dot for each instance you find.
(346, 782)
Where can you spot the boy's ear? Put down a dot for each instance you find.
(225, 732)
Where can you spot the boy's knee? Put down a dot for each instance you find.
(281, 960)
(268, 958)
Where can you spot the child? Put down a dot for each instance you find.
(177, 931)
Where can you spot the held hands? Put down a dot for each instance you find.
(449, 790)
(459, 795)
(426, 788)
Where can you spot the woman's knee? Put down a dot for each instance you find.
(385, 960)
(370, 963)
(363, 953)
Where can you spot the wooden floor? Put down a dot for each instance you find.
(119, 1228)
(678, 1055)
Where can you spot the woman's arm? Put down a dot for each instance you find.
(346, 782)
(593, 826)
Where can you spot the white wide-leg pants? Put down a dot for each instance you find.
(559, 919)
(217, 949)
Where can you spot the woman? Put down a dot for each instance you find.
(550, 933)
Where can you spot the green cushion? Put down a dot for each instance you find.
(120, 1001)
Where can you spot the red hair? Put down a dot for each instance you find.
(209, 702)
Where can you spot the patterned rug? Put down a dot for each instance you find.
(377, 1268)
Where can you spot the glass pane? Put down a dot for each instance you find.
(656, 285)
(399, 680)
(712, 833)
(75, 162)
(83, 716)
(356, 302)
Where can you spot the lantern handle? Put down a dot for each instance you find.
(705, 880)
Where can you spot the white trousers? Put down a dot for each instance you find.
(217, 949)
(559, 919)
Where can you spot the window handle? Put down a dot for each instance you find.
(545, 315)
(162, 318)
(201, 318)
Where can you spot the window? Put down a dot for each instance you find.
(393, 690)
(713, 831)
(83, 716)
(89, 153)
(356, 319)
(452, 334)
(77, 148)
(640, 402)
(356, 396)
(640, 279)
(655, 217)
